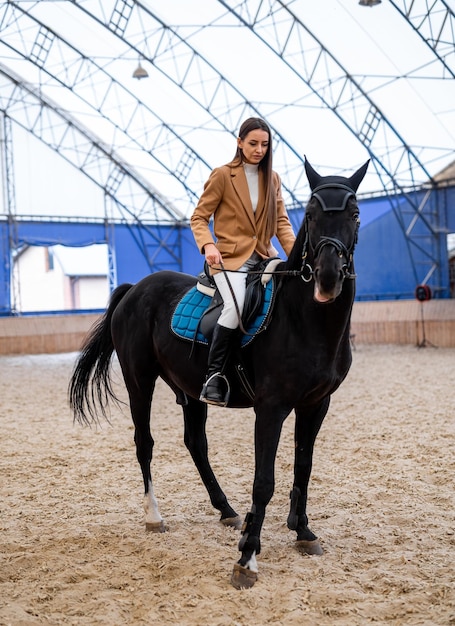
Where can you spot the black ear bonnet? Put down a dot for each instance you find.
(333, 196)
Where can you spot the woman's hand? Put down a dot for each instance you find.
(212, 254)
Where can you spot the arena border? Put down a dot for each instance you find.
(405, 322)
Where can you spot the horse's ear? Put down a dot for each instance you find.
(313, 177)
(357, 178)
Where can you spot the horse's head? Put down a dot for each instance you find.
(332, 223)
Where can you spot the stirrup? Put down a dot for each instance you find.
(203, 396)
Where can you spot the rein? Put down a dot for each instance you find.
(305, 272)
(221, 268)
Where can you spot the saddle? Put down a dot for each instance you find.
(196, 314)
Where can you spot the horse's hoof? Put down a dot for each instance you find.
(242, 577)
(155, 527)
(309, 547)
(234, 522)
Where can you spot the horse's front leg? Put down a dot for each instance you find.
(268, 427)
(195, 417)
(307, 425)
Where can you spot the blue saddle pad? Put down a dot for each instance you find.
(188, 312)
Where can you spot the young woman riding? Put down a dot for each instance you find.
(244, 198)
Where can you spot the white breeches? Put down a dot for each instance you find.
(229, 317)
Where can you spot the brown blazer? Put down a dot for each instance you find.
(239, 231)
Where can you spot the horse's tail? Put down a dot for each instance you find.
(90, 384)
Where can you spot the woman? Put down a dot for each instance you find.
(244, 198)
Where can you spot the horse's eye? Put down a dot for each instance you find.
(356, 217)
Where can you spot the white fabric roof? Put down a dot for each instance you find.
(412, 88)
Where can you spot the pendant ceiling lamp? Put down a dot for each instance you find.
(140, 72)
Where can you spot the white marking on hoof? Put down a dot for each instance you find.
(153, 519)
(155, 527)
(252, 564)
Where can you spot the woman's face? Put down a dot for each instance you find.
(254, 146)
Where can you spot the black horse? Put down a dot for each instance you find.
(296, 363)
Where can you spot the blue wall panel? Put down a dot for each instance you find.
(5, 302)
(131, 264)
(446, 199)
(52, 233)
(383, 266)
(192, 259)
(139, 250)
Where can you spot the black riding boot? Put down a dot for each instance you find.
(216, 386)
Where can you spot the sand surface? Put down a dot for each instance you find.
(73, 545)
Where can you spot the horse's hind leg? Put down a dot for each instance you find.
(195, 416)
(307, 426)
(140, 394)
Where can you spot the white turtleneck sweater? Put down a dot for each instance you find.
(252, 177)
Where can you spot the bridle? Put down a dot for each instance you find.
(306, 271)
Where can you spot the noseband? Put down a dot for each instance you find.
(331, 241)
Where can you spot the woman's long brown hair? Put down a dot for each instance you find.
(254, 123)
